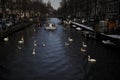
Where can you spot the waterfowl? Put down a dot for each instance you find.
(33, 52)
(82, 50)
(91, 60)
(21, 41)
(73, 25)
(6, 39)
(84, 45)
(78, 28)
(35, 44)
(67, 44)
(70, 39)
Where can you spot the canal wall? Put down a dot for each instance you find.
(99, 37)
(11, 29)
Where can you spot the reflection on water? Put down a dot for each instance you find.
(67, 44)
(19, 47)
(21, 43)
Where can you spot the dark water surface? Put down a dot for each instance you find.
(31, 60)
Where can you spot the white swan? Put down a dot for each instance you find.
(108, 42)
(6, 39)
(70, 39)
(78, 28)
(82, 50)
(73, 25)
(33, 52)
(21, 41)
(67, 44)
(84, 45)
(91, 60)
(35, 44)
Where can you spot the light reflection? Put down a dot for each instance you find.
(19, 47)
(51, 34)
(20, 43)
(67, 44)
(86, 34)
(33, 37)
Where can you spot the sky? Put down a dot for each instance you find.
(54, 3)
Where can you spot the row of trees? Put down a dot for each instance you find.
(83, 8)
(24, 7)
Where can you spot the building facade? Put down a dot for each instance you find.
(113, 9)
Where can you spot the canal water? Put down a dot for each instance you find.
(38, 54)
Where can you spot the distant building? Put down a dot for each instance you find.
(113, 9)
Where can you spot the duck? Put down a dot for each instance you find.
(82, 50)
(91, 60)
(84, 45)
(70, 39)
(6, 39)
